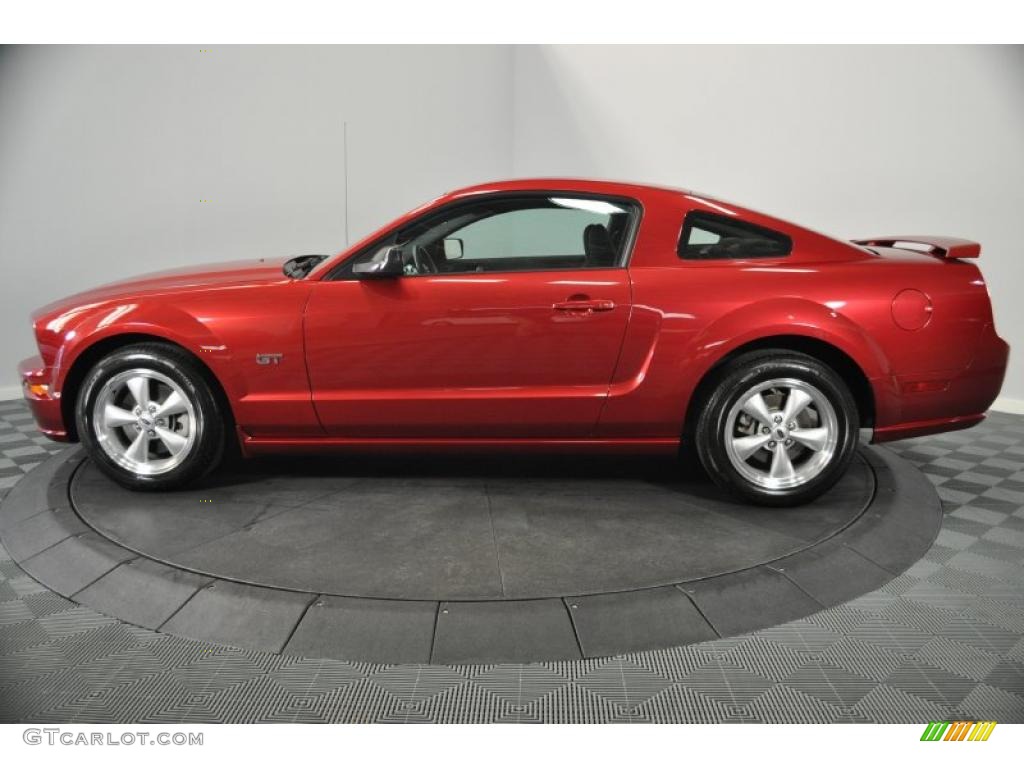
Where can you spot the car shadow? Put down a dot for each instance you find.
(684, 474)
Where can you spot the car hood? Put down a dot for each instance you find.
(252, 271)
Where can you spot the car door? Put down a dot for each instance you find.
(504, 324)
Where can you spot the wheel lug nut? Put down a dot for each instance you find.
(771, 443)
(765, 430)
(792, 425)
(152, 433)
(778, 419)
(789, 442)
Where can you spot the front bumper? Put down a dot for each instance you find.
(42, 400)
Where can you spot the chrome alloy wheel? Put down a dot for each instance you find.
(144, 421)
(781, 433)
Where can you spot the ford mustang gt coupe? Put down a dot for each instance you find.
(540, 315)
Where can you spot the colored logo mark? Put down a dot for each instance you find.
(959, 730)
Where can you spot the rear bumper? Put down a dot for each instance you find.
(45, 406)
(928, 427)
(949, 402)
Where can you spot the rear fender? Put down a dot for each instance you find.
(780, 317)
(788, 317)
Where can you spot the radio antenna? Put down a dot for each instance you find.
(344, 150)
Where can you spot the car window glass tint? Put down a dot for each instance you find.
(711, 236)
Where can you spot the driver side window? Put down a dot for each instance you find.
(528, 233)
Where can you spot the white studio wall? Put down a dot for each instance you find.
(116, 161)
(853, 141)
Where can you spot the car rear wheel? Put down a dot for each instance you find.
(148, 418)
(779, 428)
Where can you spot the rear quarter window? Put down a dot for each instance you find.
(710, 236)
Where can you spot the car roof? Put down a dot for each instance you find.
(564, 184)
(648, 192)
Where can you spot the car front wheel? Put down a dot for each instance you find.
(779, 428)
(148, 418)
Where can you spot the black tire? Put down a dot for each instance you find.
(737, 378)
(207, 428)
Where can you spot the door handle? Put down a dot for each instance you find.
(584, 306)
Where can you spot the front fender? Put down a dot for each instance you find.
(157, 319)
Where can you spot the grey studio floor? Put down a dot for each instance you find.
(943, 641)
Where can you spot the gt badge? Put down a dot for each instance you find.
(268, 358)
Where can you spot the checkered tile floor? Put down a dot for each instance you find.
(944, 641)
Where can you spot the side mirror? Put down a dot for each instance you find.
(387, 262)
(452, 248)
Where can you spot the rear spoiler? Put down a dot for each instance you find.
(943, 247)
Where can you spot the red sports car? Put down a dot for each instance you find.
(534, 315)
